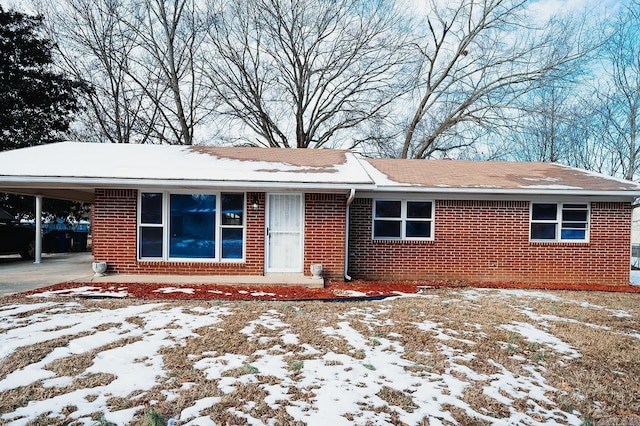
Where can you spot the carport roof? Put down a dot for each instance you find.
(72, 170)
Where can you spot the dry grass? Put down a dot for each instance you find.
(602, 384)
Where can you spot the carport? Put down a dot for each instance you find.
(18, 178)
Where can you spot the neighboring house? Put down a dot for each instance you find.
(161, 209)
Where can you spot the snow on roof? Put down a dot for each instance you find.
(85, 166)
(183, 163)
(491, 175)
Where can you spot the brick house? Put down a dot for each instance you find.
(257, 211)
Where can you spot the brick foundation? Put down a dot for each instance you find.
(488, 241)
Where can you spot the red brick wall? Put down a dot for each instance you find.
(488, 241)
(324, 233)
(114, 230)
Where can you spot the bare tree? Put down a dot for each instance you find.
(619, 93)
(96, 47)
(170, 33)
(545, 129)
(478, 58)
(299, 73)
(141, 61)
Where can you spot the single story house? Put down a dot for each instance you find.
(160, 209)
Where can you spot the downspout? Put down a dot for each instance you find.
(352, 195)
(634, 205)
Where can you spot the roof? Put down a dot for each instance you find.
(78, 168)
(72, 170)
(447, 175)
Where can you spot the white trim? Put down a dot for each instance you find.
(504, 195)
(558, 222)
(403, 219)
(365, 189)
(267, 252)
(187, 184)
(38, 236)
(166, 224)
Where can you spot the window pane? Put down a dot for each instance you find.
(232, 243)
(151, 208)
(419, 209)
(386, 229)
(150, 242)
(573, 234)
(543, 231)
(574, 215)
(388, 208)
(421, 229)
(192, 221)
(232, 209)
(574, 225)
(575, 206)
(544, 212)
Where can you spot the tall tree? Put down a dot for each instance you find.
(619, 93)
(95, 46)
(299, 73)
(142, 60)
(545, 130)
(171, 34)
(478, 58)
(36, 102)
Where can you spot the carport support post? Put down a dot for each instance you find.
(38, 254)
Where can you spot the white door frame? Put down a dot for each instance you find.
(298, 267)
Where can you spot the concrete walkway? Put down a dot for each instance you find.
(18, 275)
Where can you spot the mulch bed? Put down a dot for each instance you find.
(333, 290)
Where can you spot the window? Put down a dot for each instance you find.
(191, 226)
(559, 222)
(192, 223)
(151, 225)
(402, 220)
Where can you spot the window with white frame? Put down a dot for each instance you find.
(559, 222)
(191, 226)
(402, 220)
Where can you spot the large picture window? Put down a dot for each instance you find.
(191, 226)
(559, 222)
(402, 220)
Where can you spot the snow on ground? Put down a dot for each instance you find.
(343, 388)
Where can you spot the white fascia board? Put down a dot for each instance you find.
(93, 183)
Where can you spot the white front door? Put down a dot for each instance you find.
(284, 233)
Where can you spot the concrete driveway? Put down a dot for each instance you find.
(17, 275)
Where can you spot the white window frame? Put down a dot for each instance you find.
(166, 221)
(560, 207)
(403, 219)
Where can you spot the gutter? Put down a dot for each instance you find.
(352, 196)
(16, 182)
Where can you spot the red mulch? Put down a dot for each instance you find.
(333, 290)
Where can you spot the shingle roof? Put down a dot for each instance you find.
(318, 158)
(73, 170)
(442, 174)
